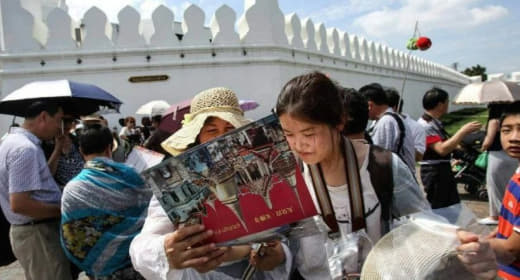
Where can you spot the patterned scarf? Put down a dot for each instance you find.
(103, 209)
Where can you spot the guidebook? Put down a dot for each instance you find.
(246, 185)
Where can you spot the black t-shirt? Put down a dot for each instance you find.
(495, 112)
(155, 140)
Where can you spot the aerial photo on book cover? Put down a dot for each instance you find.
(245, 185)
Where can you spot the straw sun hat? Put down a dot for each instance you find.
(214, 102)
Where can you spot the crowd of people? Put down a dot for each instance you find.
(74, 205)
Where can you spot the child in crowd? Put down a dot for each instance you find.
(507, 236)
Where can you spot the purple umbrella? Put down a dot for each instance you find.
(172, 118)
(248, 105)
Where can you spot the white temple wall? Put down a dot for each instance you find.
(255, 60)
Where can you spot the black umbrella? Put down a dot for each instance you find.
(76, 98)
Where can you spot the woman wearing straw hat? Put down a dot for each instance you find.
(161, 251)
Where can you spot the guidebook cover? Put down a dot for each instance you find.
(245, 185)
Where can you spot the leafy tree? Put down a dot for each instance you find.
(476, 71)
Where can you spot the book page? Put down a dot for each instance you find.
(245, 183)
(141, 158)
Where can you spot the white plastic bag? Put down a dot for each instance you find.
(346, 254)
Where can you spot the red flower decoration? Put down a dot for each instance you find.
(424, 43)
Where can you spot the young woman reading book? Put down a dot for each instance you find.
(312, 116)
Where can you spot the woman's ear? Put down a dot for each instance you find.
(341, 125)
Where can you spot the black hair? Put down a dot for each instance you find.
(146, 121)
(374, 92)
(393, 99)
(311, 97)
(35, 108)
(510, 110)
(94, 139)
(356, 111)
(157, 118)
(433, 97)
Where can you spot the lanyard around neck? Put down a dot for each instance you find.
(354, 186)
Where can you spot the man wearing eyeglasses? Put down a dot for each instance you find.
(29, 196)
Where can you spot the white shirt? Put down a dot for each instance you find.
(125, 131)
(311, 258)
(339, 197)
(149, 258)
(418, 133)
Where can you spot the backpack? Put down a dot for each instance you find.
(380, 169)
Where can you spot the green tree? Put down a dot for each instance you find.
(476, 71)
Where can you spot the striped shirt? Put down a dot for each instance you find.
(23, 168)
(509, 221)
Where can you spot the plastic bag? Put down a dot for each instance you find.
(307, 227)
(346, 254)
(423, 246)
(482, 160)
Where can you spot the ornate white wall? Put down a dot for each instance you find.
(266, 50)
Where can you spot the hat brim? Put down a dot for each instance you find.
(179, 141)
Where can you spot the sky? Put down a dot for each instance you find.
(465, 32)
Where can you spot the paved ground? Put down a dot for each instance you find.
(480, 208)
(14, 272)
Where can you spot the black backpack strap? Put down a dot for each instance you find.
(427, 117)
(402, 130)
(355, 190)
(380, 169)
(440, 127)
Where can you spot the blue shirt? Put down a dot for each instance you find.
(23, 168)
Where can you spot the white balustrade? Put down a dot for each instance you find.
(255, 52)
(129, 35)
(222, 27)
(293, 30)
